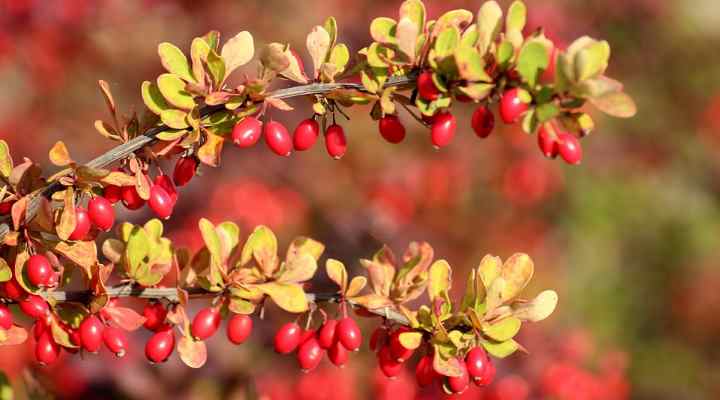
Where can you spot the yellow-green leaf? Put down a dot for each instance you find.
(152, 98)
(501, 349)
(537, 309)
(174, 61)
(503, 330)
(439, 279)
(288, 296)
(5, 271)
(6, 163)
(337, 273)
(172, 89)
(517, 272)
(318, 45)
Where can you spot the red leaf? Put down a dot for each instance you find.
(125, 318)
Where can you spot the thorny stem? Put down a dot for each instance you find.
(170, 294)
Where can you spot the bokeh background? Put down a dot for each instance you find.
(629, 239)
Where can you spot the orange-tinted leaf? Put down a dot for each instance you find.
(192, 353)
(125, 318)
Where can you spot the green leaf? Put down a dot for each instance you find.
(340, 56)
(414, 10)
(216, 67)
(439, 279)
(136, 250)
(411, 340)
(471, 65)
(290, 297)
(174, 119)
(617, 104)
(6, 389)
(152, 97)
(447, 41)
(382, 30)
(546, 112)
(503, 330)
(505, 53)
(331, 27)
(173, 90)
(175, 62)
(229, 235)
(5, 271)
(455, 18)
(470, 37)
(477, 91)
(6, 162)
(489, 22)
(489, 269)
(501, 349)
(261, 245)
(532, 61)
(237, 51)
(515, 23)
(592, 60)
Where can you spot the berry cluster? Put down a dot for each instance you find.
(392, 354)
(334, 337)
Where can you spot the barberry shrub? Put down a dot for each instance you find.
(48, 225)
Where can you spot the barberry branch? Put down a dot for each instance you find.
(170, 294)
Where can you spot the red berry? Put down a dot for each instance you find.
(388, 365)
(46, 350)
(82, 224)
(166, 183)
(488, 374)
(328, 334)
(309, 354)
(335, 141)
(91, 333)
(205, 323)
(155, 313)
(131, 198)
(247, 132)
(34, 306)
(348, 333)
(13, 290)
(547, 141)
(307, 334)
(399, 352)
(278, 138)
(477, 361)
(112, 193)
(392, 129)
(160, 202)
(160, 346)
(287, 338)
(306, 134)
(101, 213)
(424, 371)
(443, 129)
(377, 340)
(513, 105)
(239, 328)
(6, 317)
(458, 384)
(185, 169)
(338, 354)
(426, 87)
(115, 340)
(6, 207)
(39, 270)
(570, 149)
(483, 121)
